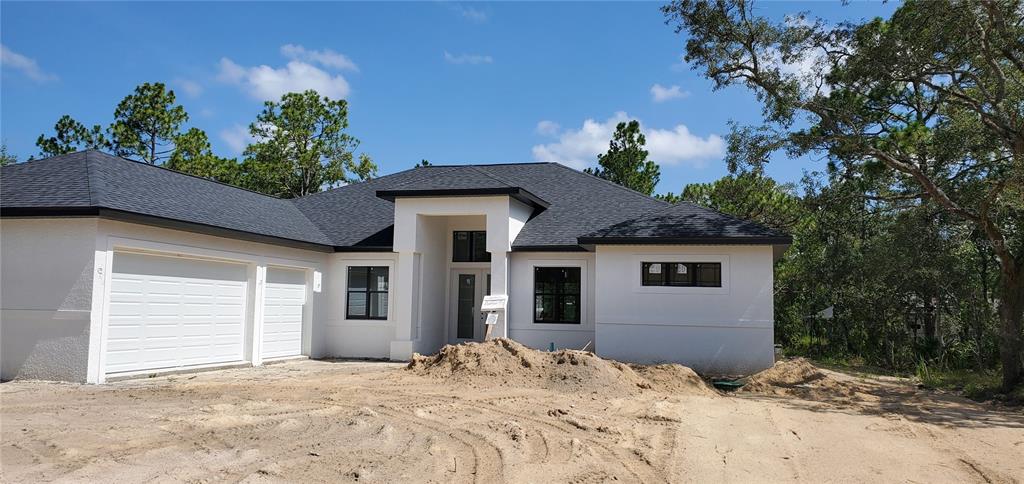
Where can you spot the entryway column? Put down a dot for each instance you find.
(499, 286)
(404, 281)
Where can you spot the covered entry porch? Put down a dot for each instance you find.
(452, 251)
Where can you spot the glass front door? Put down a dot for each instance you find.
(469, 286)
(466, 322)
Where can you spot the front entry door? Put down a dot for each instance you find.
(466, 322)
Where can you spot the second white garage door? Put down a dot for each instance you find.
(284, 299)
(168, 312)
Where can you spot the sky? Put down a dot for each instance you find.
(452, 83)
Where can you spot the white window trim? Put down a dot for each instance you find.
(584, 293)
(637, 273)
(390, 264)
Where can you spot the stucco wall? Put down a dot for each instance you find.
(540, 336)
(52, 290)
(355, 338)
(46, 282)
(432, 286)
(713, 330)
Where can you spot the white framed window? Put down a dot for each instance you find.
(680, 273)
(559, 292)
(367, 292)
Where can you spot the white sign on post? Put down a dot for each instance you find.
(494, 303)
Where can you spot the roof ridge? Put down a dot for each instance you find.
(193, 176)
(616, 185)
(93, 198)
(495, 177)
(731, 216)
(347, 185)
(490, 164)
(420, 180)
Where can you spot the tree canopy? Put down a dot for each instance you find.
(70, 136)
(302, 147)
(147, 123)
(626, 161)
(926, 108)
(193, 155)
(6, 158)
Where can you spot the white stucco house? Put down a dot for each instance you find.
(110, 267)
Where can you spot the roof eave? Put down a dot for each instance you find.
(515, 192)
(549, 248)
(152, 220)
(767, 240)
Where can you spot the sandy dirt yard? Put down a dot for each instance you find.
(500, 413)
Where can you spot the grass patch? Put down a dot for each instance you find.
(857, 366)
(983, 385)
(978, 385)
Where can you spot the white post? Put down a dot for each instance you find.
(405, 287)
(257, 315)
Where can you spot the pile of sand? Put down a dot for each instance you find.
(799, 378)
(507, 363)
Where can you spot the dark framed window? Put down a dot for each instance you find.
(556, 295)
(367, 292)
(682, 274)
(470, 246)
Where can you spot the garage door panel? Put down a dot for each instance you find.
(167, 312)
(283, 302)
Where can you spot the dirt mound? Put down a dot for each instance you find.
(799, 378)
(505, 362)
(673, 378)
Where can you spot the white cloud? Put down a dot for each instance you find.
(579, 148)
(237, 138)
(478, 16)
(469, 13)
(27, 65)
(190, 88)
(327, 57)
(548, 128)
(660, 94)
(267, 83)
(809, 67)
(467, 58)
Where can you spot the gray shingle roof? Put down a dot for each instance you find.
(685, 223)
(96, 180)
(578, 203)
(576, 207)
(461, 181)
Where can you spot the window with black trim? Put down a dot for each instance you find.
(556, 295)
(470, 246)
(682, 274)
(367, 292)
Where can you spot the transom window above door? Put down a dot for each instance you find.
(470, 246)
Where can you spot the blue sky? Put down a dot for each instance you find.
(448, 82)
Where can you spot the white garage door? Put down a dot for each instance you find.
(167, 312)
(284, 298)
